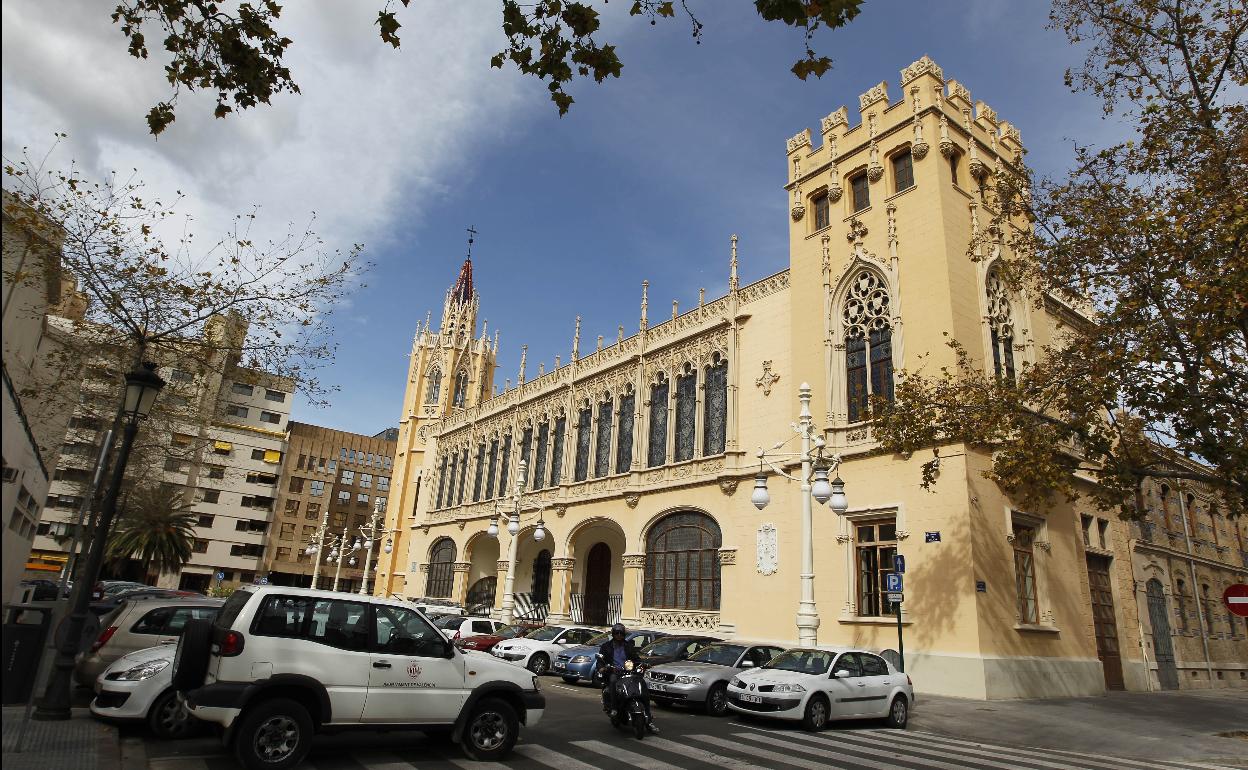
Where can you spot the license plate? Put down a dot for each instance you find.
(658, 687)
(751, 698)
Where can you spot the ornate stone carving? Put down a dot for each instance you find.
(800, 140)
(834, 191)
(797, 212)
(560, 510)
(424, 569)
(921, 67)
(631, 499)
(984, 112)
(634, 561)
(875, 172)
(767, 379)
(562, 564)
(461, 566)
(765, 288)
(729, 486)
(838, 118)
(727, 556)
(920, 149)
(958, 91)
(681, 619)
(501, 565)
(874, 95)
(768, 549)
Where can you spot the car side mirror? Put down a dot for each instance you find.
(842, 674)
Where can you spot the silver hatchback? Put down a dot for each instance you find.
(702, 679)
(136, 625)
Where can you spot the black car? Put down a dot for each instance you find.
(45, 590)
(671, 648)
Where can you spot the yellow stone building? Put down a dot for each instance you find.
(640, 455)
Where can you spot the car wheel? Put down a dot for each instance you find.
(717, 700)
(898, 713)
(571, 679)
(168, 718)
(190, 660)
(273, 735)
(539, 663)
(816, 716)
(491, 731)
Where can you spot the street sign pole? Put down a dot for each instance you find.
(893, 585)
(901, 645)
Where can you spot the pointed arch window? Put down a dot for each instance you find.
(526, 454)
(479, 476)
(715, 406)
(450, 488)
(539, 460)
(441, 569)
(463, 475)
(686, 413)
(602, 450)
(441, 483)
(433, 388)
(461, 390)
(865, 315)
(659, 392)
(504, 468)
(493, 471)
(624, 444)
(556, 451)
(584, 426)
(1000, 325)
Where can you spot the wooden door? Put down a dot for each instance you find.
(1163, 644)
(597, 584)
(1104, 621)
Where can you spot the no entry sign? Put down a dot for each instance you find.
(1236, 599)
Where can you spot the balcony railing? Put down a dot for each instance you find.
(597, 609)
(527, 607)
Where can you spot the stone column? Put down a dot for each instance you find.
(500, 570)
(560, 590)
(423, 580)
(634, 575)
(732, 595)
(459, 584)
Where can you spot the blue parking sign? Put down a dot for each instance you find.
(892, 582)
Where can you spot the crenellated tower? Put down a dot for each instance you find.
(451, 368)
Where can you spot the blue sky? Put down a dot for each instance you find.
(645, 178)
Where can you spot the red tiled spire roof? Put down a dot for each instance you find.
(462, 292)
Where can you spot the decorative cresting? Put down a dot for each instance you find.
(922, 67)
(767, 550)
(878, 93)
(680, 619)
(866, 306)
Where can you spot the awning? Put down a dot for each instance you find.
(272, 456)
(224, 446)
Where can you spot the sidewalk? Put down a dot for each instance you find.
(1180, 725)
(81, 743)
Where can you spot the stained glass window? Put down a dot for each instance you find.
(539, 462)
(434, 387)
(461, 390)
(868, 343)
(584, 423)
(1000, 325)
(657, 451)
(602, 451)
(489, 479)
(526, 454)
(715, 407)
(682, 563)
(624, 445)
(450, 487)
(556, 452)
(441, 482)
(441, 569)
(463, 473)
(479, 476)
(504, 467)
(686, 413)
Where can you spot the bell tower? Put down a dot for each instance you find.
(450, 368)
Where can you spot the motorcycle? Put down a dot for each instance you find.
(628, 697)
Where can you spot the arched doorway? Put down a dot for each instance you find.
(480, 599)
(441, 563)
(541, 578)
(1163, 645)
(597, 585)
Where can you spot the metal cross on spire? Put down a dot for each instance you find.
(472, 233)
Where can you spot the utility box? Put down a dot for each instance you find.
(24, 635)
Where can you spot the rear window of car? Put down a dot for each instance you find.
(448, 621)
(872, 666)
(170, 620)
(231, 608)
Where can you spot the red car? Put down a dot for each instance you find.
(486, 642)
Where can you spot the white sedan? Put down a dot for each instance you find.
(536, 650)
(139, 687)
(815, 685)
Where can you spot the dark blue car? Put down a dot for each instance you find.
(581, 663)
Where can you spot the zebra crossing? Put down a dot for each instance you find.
(745, 747)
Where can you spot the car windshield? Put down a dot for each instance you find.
(545, 633)
(448, 621)
(802, 661)
(598, 640)
(511, 632)
(670, 646)
(719, 654)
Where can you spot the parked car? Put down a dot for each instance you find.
(671, 648)
(577, 663)
(815, 685)
(46, 590)
(138, 687)
(702, 679)
(432, 607)
(536, 650)
(113, 600)
(138, 624)
(280, 664)
(106, 587)
(486, 642)
(459, 627)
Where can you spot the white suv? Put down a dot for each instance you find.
(280, 664)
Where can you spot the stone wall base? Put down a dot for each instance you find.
(970, 676)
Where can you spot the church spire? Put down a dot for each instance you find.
(462, 291)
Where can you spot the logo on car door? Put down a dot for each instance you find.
(413, 670)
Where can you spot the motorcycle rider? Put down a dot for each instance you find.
(615, 652)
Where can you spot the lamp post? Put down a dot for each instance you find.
(316, 545)
(371, 534)
(142, 386)
(343, 551)
(513, 529)
(814, 481)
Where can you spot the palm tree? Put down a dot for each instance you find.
(155, 527)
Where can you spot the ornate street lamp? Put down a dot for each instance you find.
(513, 529)
(815, 484)
(142, 387)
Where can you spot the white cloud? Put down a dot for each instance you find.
(373, 136)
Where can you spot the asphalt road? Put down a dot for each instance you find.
(947, 734)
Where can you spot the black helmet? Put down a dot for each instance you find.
(618, 630)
